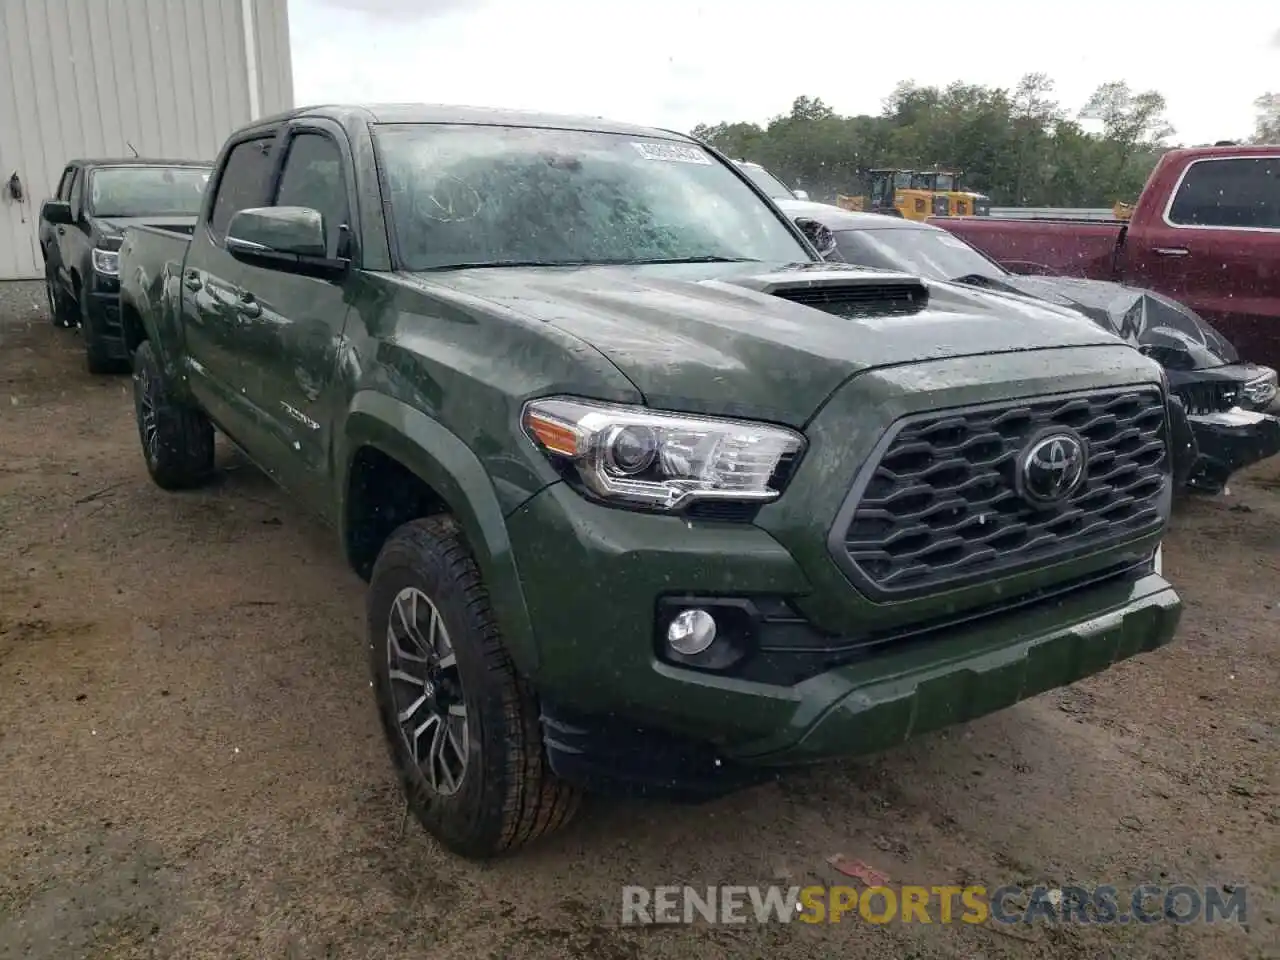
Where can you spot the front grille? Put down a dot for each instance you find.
(1207, 396)
(939, 507)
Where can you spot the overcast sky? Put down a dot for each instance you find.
(675, 63)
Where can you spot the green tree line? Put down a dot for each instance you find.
(1021, 147)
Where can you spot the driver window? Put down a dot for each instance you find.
(312, 177)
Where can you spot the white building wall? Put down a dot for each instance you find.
(89, 78)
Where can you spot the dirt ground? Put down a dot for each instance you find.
(190, 764)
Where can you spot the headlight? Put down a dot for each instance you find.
(1260, 391)
(635, 456)
(106, 261)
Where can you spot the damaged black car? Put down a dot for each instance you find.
(1221, 423)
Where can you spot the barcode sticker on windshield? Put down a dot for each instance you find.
(674, 152)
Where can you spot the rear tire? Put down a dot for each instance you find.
(484, 788)
(177, 440)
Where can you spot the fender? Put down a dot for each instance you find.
(447, 465)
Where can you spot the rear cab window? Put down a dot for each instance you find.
(1232, 192)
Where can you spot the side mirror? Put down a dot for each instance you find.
(57, 211)
(823, 240)
(800, 194)
(290, 239)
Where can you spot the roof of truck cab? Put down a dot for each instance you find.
(1234, 150)
(444, 113)
(135, 162)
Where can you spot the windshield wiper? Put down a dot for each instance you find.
(612, 262)
(474, 264)
(706, 259)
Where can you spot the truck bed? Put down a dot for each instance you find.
(151, 256)
(1092, 214)
(1071, 248)
(144, 243)
(181, 229)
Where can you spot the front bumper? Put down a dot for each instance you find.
(618, 716)
(1232, 419)
(909, 695)
(1230, 441)
(814, 668)
(103, 322)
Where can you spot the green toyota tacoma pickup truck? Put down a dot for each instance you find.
(648, 497)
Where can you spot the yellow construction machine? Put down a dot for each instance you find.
(949, 197)
(891, 193)
(917, 195)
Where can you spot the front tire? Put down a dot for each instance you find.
(462, 727)
(60, 315)
(177, 440)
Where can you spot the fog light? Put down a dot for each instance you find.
(691, 632)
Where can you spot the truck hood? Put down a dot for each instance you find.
(724, 339)
(1169, 332)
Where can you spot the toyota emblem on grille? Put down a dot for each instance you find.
(1052, 467)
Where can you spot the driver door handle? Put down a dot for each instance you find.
(1170, 251)
(192, 281)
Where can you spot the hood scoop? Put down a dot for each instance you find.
(847, 294)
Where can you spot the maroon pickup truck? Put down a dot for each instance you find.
(1206, 231)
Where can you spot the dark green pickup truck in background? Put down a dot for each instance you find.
(648, 497)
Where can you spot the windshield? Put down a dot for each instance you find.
(767, 182)
(465, 195)
(147, 191)
(931, 253)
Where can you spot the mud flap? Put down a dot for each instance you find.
(612, 757)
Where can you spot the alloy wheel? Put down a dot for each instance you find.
(147, 415)
(426, 691)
